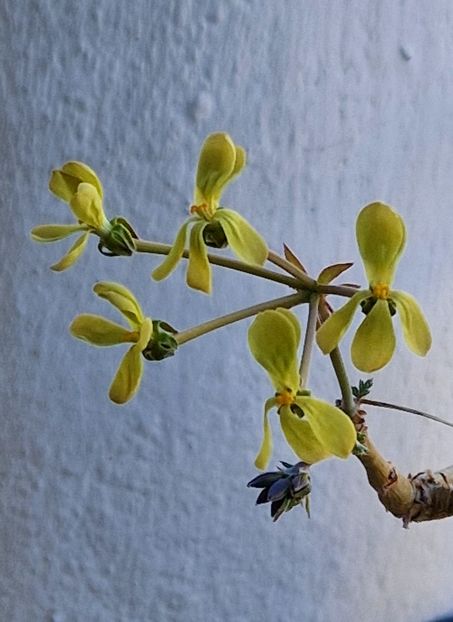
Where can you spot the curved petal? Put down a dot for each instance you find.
(65, 181)
(331, 426)
(415, 327)
(53, 233)
(72, 255)
(216, 165)
(265, 450)
(273, 342)
(98, 331)
(244, 240)
(146, 331)
(128, 376)
(86, 205)
(121, 298)
(330, 333)
(199, 273)
(381, 236)
(374, 342)
(301, 438)
(172, 259)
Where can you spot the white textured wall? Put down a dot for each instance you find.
(140, 514)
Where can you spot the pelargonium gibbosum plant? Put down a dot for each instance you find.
(315, 428)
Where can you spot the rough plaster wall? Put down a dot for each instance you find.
(141, 513)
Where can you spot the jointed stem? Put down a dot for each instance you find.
(285, 301)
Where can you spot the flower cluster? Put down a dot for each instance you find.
(209, 224)
(381, 237)
(313, 428)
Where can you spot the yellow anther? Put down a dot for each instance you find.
(285, 398)
(380, 290)
(203, 210)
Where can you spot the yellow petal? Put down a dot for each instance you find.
(86, 206)
(72, 255)
(374, 342)
(123, 299)
(172, 259)
(64, 182)
(381, 236)
(273, 341)
(146, 331)
(245, 242)
(218, 163)
(98, 331)
(265, 450)
(199, 269)
(53, 233)
(332, 330)
(331, 426)
(415, 327)
(128, 376)
(301, 438)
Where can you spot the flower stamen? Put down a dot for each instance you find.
(204, 210)
(285, 398)
(380, 291)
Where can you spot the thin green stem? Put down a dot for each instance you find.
(405, 409)
(196, 331)
(309, 340)
(144, 246)
(347, 398)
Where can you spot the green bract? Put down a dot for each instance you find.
(99, 331)
(209, 224)
(79, 186)
(381, 236)
(313, 428)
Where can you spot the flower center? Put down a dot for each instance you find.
(285, 398)
(203, 210)
(381, 291)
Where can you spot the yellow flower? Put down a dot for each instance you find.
(209, 224)
(79, 186)
(313, 428)
(381, 237)
(99, 331)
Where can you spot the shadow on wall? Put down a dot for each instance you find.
(449, 618)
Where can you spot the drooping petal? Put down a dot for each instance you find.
(381, 236)
(146, 331)
(53, 233)
(216, 166)
(72, 255)
(172, 259)
(128, 376)
(244, 240)
(291, 317)
(415, 327)
(331, 426)
(98, 331)
(273, 342)
(65, 181)
(123, 299)
(332, 330)
(86, 205)
(374, 342)
(199, 273)
(265, 450)
(300, 437)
